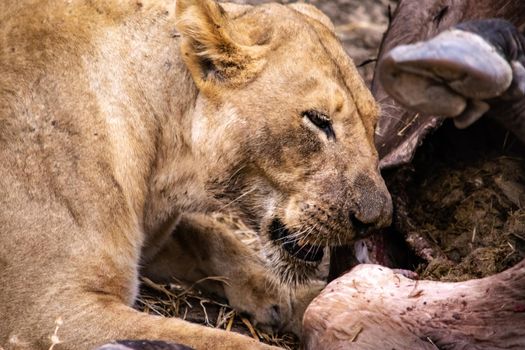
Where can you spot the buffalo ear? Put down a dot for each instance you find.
(211, 47)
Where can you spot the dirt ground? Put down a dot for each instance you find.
(464, 196)
(460, 204)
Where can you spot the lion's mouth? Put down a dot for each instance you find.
(306, 252)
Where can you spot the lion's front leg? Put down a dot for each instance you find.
(201, 247)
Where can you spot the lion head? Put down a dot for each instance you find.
(284, 126)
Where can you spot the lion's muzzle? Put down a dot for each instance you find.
(291, 243)
(373, 204)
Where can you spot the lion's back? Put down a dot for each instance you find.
(54, 141)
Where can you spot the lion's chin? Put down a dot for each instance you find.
(294, 264)
(292, 271)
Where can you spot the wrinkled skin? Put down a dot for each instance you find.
(119, 118)
(460, 73)
(399, 131)
(356, 312)
(424, 75)
(436, 76)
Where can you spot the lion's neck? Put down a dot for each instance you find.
(181, 170)
(151, 102)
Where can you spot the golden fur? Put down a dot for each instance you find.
(116, 117)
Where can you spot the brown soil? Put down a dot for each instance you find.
(464, 196)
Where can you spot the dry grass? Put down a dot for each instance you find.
(188, 303)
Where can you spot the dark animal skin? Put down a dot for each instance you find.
(143, 345)
(501, 24)
(400, 131)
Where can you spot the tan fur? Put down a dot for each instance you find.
(116, 117)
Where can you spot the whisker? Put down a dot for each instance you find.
(237, 199)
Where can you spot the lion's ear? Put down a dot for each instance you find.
(211, 48)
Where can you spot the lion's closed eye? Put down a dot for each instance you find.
(321, 121)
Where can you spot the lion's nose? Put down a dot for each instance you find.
(373, 204)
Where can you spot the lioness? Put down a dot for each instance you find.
(116, 117)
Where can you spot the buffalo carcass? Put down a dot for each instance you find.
(452, 75)
(401, 131)
(468, 63)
